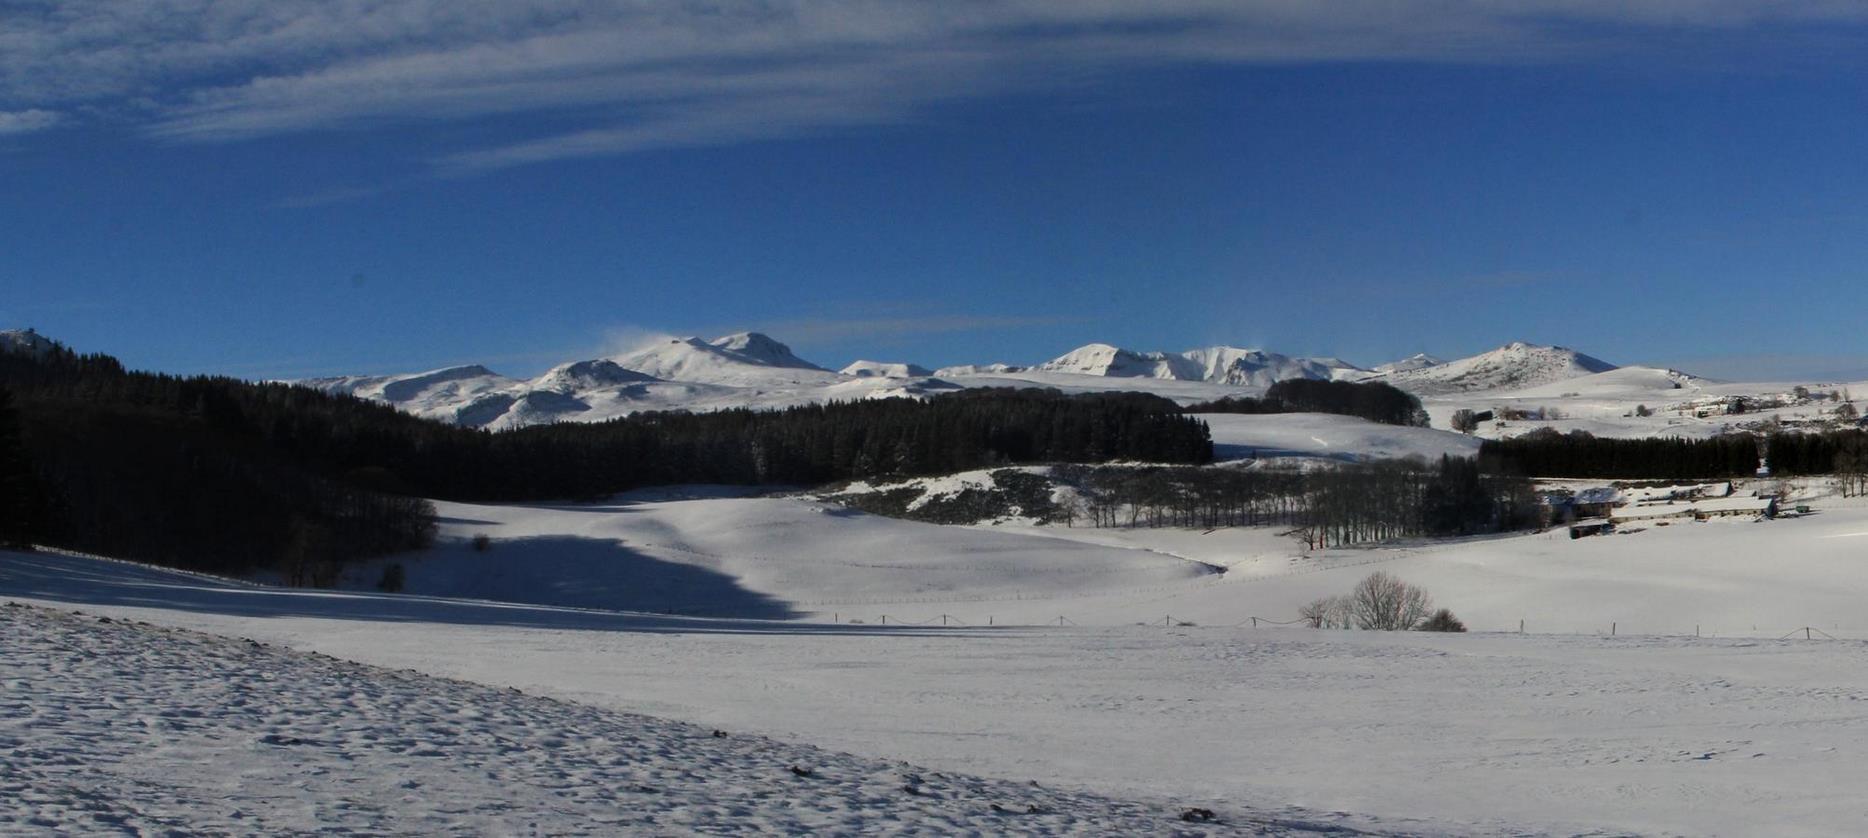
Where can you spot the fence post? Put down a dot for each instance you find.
(885, 619)
(1254, 622)
(1611, 629)
(1520, 626)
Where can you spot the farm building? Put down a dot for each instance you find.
(1652, 512)
(1591, 526)
(1765, 507)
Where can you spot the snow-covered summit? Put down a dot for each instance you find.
(745, 359)
(762, 349)
(1419, 361)
(1216, 364)
(1115, 362)
(25, 342)
(1514, 366)
(588, 375)
(978, 369)
(882, 369)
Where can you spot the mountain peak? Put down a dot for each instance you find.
(1517, 365)
(26, 342)
(882, 369)
(744, 359)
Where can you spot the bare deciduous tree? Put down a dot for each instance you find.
(1382, 602)
(1330, 612)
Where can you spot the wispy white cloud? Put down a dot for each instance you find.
(27, 121)
(629, 75)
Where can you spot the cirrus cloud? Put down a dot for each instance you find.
(619, 76)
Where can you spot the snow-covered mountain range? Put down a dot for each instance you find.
(1215, 364)
(1514, 366)
(754, 370)
(750, 369)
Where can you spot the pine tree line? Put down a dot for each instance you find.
(225, 475)
(1371, 400)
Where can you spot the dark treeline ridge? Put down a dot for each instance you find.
(1579, 455)
(1371, 400)
(225, 475)
(1350, 504)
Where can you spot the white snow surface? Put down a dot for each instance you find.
(884, 369)
(1217, 364)
(1347, 438)
(707, 552)
(1417, 361)
(113, 726)
(1565, 730)
(25, 342)
(748, 359)
(1514, 366)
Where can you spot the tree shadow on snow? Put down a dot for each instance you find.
(105, 583)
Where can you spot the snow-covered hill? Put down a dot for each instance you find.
(25, 342)
(1215, 364)
(1419, 361)
(113, 727)
(754, 370)
(1514, 366)
(119, 727)
(748, 359)
(881, 369)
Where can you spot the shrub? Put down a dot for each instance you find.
(1442, 620)
(482, 542)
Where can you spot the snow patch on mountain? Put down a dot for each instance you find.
(1216, 364)
(978, 369)
(588, 375)
(1419, 361)
(882, 369)
(746, 359)
(25, 342)
(1514, 366)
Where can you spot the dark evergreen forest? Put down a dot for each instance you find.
(1372, 400)
(225, 475)
(1550, 454)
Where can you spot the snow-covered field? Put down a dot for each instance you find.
(1563, 730)
(1238, 436)
(117, 727)
(710, 553)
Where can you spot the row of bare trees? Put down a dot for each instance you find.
(1349, 503)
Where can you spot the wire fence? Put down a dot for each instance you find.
(1613, 628)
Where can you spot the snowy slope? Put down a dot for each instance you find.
(153, 730)
(1473, 734)
(753, 557)
(748, 359)
(1419, 361)
(1328, 436)
(469, 395)
(880, 369)
(1216, 364)
(579, 376)
(25, 342)
(1514, 366)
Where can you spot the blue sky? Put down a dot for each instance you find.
(290, 189)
